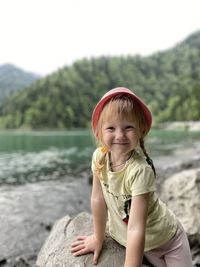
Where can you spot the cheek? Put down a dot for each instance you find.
(102, 136)
(99, 136)
(134, 134)
(135, 137)
(138, 134)
(106, 136)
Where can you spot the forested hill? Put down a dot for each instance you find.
(12, 79)
(169, 82)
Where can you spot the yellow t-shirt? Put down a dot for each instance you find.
(119, 187)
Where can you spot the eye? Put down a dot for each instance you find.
(110, 128)
(130, 127)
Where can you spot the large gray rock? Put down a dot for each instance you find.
(181, 192)
(56, 250)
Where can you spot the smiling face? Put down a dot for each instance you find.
(120, 135)
(120, 125)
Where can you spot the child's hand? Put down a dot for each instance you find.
(86, 244)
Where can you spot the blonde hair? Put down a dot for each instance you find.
(123, 106)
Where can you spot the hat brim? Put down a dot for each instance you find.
(114, 92)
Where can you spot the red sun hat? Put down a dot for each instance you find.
(114, 92)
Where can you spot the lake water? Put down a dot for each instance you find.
(44, 155)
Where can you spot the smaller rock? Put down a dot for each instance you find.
(181, 192)
(56, 250)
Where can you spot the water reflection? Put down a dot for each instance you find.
(35, 156)
(50, 164)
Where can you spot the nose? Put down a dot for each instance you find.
(120, 134)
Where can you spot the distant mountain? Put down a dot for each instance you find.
(168, 81)
(13, 78)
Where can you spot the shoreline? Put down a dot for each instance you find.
(180, 125)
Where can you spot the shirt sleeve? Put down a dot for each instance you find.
(142, 181)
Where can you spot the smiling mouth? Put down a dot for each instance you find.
(120, 143)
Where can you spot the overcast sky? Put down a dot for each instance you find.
(44, 35)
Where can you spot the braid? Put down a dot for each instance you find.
(99, 164)
(148, 159)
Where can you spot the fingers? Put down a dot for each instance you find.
(77, 248)
(86, 244)
(96, 257)
(79, 251)
(77, 243)
(82, 250)
(81, 237)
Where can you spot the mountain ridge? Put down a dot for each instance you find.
(13, 78)
(168, 81)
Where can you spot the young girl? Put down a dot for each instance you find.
(124, 191)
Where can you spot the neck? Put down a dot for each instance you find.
(117, 164)
(114, 165)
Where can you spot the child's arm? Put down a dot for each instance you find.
(136, 231)
(93, 243)
(99, 210)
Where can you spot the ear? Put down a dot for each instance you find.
(96, 134)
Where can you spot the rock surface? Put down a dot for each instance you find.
(181, 192)
(56, 250)
(27, 212)
(168, 170)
